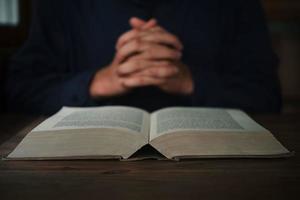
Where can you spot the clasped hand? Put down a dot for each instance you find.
(147, 55)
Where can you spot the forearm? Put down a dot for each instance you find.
(250, 92)
(46, 94)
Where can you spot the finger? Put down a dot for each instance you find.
(150, 24)
(150, 51)
(155, 34)
(129, 35)
(145, 50)
(140, 81)
(162, 37)
(147, 68)
(159, 71)
(134, 65)
(138, 24)
(151, 30)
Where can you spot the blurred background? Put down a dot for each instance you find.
(283, 19)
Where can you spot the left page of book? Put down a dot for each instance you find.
(95, 132)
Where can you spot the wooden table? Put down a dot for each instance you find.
(194, 179)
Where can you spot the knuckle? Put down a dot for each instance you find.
(174, 38)
(152, 71)
(131, 82)
(166, 63)
(159, 29)
(134, 33)
(137, 44)
(141, 81)
(121, 69)
(154, 38)
(149, 53)
(168, 71)
(176, 54)
(164, 72)
(175, 70)
(171, 54)
(137, 64)
(121, 53)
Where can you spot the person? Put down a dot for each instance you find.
(145, 53)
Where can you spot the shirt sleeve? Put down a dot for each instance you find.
(244, 74)
(40, 79)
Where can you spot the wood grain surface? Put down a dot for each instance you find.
(150, 179)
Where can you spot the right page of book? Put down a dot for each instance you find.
(210, 132)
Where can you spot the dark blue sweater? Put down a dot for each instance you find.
(226, 46)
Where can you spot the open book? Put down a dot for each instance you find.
(119, 132)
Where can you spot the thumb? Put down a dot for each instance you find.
(136, 23)
(140, 24)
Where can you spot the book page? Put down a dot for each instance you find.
(99, 132)
(179, 133)
(117, 117)
(205, 119)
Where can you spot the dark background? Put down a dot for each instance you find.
(283, 19)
